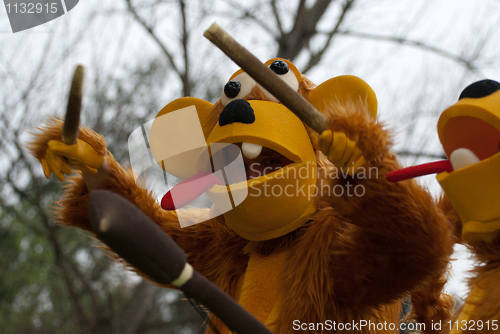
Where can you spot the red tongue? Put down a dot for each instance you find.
(420, 170)
(188, 190)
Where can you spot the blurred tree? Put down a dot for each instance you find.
(142, 55)
(54, 280)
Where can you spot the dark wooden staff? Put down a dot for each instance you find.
(267, 78)
(137, 239)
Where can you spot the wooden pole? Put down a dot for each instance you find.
(143, 244)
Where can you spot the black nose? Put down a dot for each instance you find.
(237, 111)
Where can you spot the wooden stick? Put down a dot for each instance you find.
(143, 244)
(266, 78)
(72, 119)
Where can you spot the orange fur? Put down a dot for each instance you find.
(430, 305)
(381, 211)
(486, 275)
(452, 217)
(355, 258)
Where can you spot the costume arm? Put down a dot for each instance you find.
(389, 237)
(201, 242)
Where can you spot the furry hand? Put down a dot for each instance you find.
(341, 151)
(59, 158)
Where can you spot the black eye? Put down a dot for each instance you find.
(232, 88)
(279, 67)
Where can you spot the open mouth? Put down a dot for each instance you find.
(468, 140)
(256, 160)
(261, 160)
(472, 145)
(239, 162)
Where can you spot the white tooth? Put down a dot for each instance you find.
(251, 151)
(463, 157)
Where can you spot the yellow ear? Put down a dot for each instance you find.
(203, 109)
(178, 135)
(342, 89)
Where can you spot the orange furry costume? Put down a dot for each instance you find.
(345, 258)
(470, 132)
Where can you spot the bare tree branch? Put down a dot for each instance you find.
(277, 16)
(316, 57)
(185, 40)
(291, 43)
(87, 288)
(250, 14)
(467, 63)
(84, 320)
(183, 74)
(137, 307)
(149, 29)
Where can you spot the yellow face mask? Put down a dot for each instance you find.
(470, 133)
(280, 201)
